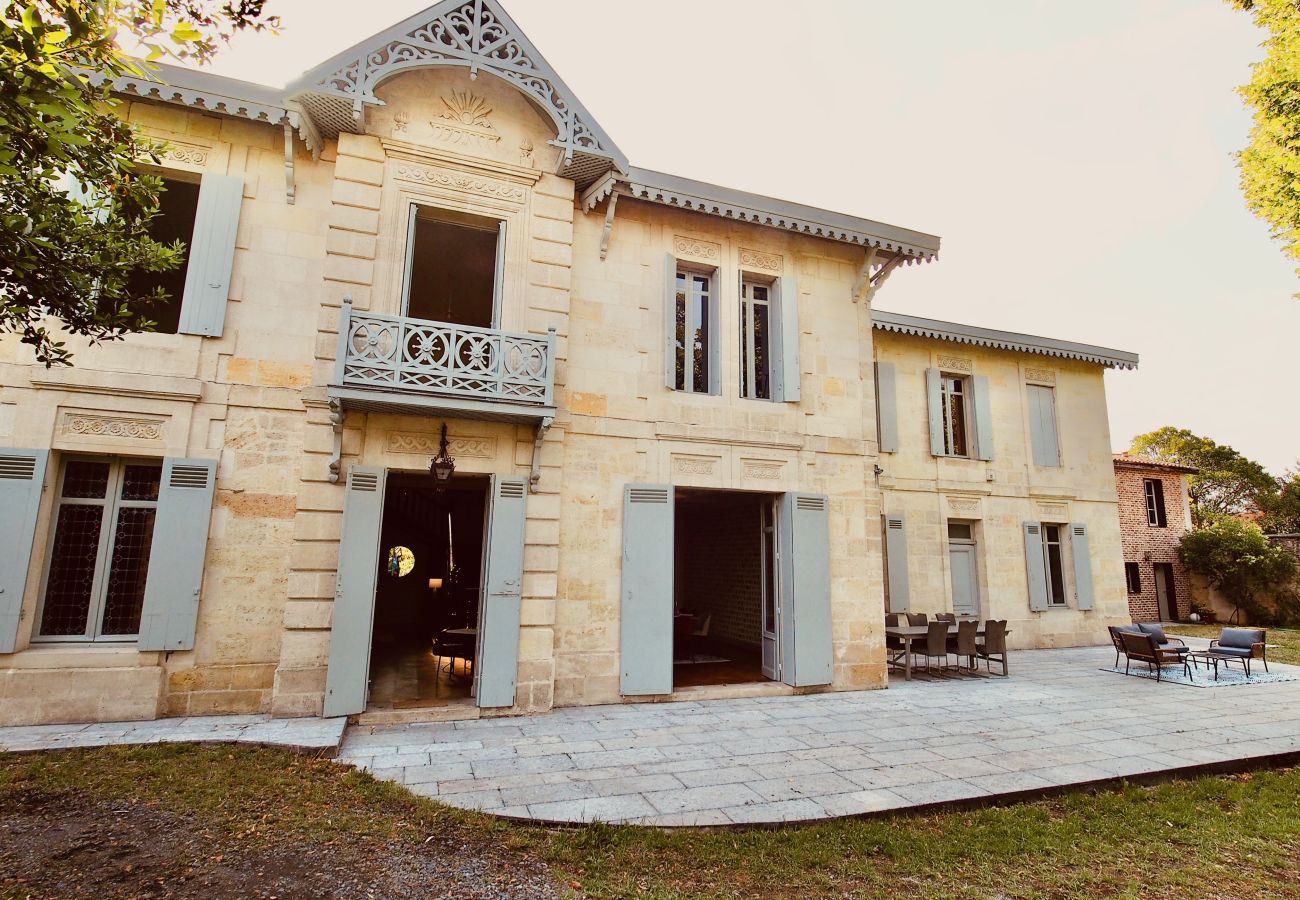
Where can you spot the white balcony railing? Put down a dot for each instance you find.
(419, 356)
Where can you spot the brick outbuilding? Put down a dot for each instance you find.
(1154, 514)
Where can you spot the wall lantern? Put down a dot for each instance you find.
(442, 466)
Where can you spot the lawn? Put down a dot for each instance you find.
(163, 821)
(1283, 643)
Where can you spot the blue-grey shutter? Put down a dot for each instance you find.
(646, 612)
(896, 562)
(670, 322)
(22, 475)
(934, 404)
(346, 681)
(983, 418)
(806, 651)
(1034, 570)
(715, 332)
(886, 408)
(1042, 425)
(211, 255)
(180, 545)
(497, 666)
(788, 301)
(1083, 592)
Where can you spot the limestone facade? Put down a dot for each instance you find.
(256, 400)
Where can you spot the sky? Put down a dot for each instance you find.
(1076, 159)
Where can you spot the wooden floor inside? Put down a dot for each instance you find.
(408, 676)
(739, 665)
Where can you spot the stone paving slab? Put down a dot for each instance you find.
(312, 735)
(1058, 721)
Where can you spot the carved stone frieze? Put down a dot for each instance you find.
(966, 507)
(695, 465)
(427, 445)
(1053, 512)
(691, 248)
(757, 259)
(470, 184)
(1040, 376)
(464, 122)
(955, 364)
(125, 427)
(761, 469)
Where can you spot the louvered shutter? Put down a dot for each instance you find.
(670, 322)
(886, 408)
(1042, 425)
(896, 562)
(806, 651)
(497, 666)
(354, 597)
(1079, 550)
(646, 610)
(934, 404)
(180, 545)
(211, 255)
(1035, 572)
(983, 418)
(22, 475)
(788, 301)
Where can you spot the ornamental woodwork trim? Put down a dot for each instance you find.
(427, 445)
(757, 259)
(955, 364)
(459, 181)
(1040, 376)
(129, 428)
(690, 248)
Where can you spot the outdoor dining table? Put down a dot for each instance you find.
(909, 633)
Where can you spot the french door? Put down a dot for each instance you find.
(770, 582)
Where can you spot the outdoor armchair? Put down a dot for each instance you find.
(1142, 646)
(1157, 631)
(1242, 643)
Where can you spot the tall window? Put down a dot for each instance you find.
(1155, 493)
(1053, 565)
(693, 340)
(956, 421)
(453, 269)
(99, 557)
(755, 341)
(1133, 576)
(178, 206)
(1042, 425)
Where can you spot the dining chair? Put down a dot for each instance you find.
(918, 619)
(964, 642)
(950, 618)
(936, 644)
(894, 646)
(891, 620)
(993, 648)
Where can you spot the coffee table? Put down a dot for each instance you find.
(1212, 659)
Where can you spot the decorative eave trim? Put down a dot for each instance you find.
(201, 90)
(1001, 340)
(728, 203)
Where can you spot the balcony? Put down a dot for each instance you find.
(405, 365)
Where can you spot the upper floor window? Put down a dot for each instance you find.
(99, 558)
(955, 393)
(454, 264)
(178, 206)
(1042, 425)
(756, 340)
(694, 345)
(1155, 496)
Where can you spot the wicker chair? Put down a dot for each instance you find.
(894, 647)
(950, 618)
(1143, 647)
(936, 643)
(965, 642)
(918, 619)
(993, 648)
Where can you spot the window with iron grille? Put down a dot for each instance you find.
(99, 554)
(1133, 575)
(1155, 493)
(956, 422)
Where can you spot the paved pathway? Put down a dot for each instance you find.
(322, 735)
(1057, 721)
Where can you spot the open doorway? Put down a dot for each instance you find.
(427, 593)
(453, 271)
(726, 609)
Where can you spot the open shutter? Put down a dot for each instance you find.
(934, 402)
(670, 322)
(806, 652)
(896, 562)
(211, 255)
(354, 596)
(498, 659)
(22, 475)
(886, 408)
(180, 544)
(1083, 592)
(983, 418)
(1042, 425)
(646, 614)
(499, 274)
(1034, 571)
(788, 300)
(715, 334)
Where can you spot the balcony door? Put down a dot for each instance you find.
(454, 267)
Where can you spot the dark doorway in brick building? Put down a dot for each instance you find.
(1166, 600)
(726, 618)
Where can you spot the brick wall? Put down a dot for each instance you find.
(719, 565)
(1148, 545)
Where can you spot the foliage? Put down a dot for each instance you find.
(1240, 562)
(1270, 164)
(1282, 511)
(75, 205)
(1227, 483)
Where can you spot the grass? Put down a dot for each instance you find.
(1283, 643)
(1235, 836)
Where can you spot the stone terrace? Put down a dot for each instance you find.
(1057, 721)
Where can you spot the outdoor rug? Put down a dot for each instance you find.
(1204, 678)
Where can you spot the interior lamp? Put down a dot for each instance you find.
(442, 466)
(435, 583)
